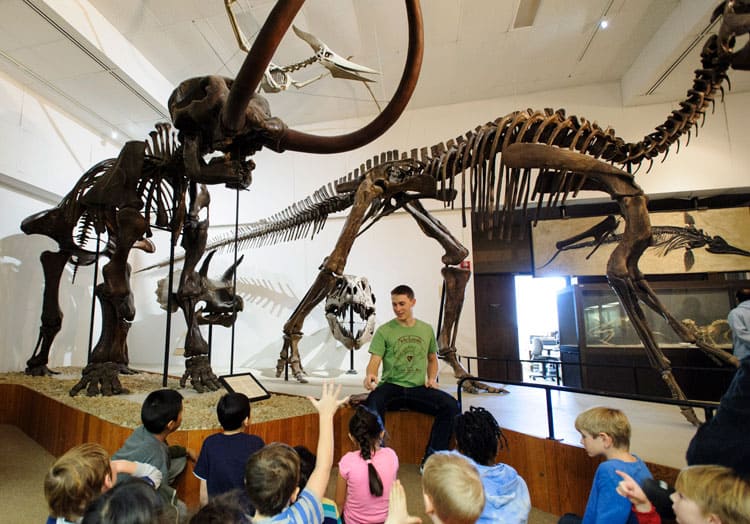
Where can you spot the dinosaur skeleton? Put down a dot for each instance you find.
(567, 154)
(212, 114)
(277, 78)
(663, 238)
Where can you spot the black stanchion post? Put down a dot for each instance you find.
(93, 298)
(234, 277)
(170, 281)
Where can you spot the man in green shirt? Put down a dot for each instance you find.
(408, 351)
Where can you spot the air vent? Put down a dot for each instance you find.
(526, 13)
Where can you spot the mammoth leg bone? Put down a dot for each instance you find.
(455, 285)
(325, 282)
(118, 311)
(53, 265)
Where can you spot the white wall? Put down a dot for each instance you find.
(273, 279)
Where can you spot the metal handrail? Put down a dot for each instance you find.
(708, 406)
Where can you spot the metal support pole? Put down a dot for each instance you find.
(550, 422)
(93, 298)
(210, 340)
(351, 371)
(170, 281)
(234, 277)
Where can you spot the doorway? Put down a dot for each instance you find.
(536, 318)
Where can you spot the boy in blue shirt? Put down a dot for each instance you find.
(605, 432)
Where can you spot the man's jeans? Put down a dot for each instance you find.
(430, 401)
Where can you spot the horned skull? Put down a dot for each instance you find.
(219, 305)
(350, 311)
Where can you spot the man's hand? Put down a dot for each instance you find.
(371, 382)
(432, 383)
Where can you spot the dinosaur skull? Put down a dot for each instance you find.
(350, 311)
(218, 304)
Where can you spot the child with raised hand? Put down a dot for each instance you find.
(703, 495)
(272, 473)
(366, 475)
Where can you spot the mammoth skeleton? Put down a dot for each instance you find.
(146, 185)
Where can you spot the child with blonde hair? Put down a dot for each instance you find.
(605, 432)
(366, 475)
(83, 473)
(703, 495)
(452, 489)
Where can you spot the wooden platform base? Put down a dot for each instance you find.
(559, 475)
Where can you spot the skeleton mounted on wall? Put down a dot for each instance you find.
(567, 154)
(146, 185)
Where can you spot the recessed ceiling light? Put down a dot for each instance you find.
(114, 135)
(603, 24)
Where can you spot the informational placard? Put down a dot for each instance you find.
(245, 383)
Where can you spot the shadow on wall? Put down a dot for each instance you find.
(22, 282)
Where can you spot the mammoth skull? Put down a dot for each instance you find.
(350, 311)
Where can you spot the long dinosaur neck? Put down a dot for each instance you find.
(692, 110)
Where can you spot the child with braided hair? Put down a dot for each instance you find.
(366, 475)
(479, 437)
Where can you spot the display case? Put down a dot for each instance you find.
(602, 350)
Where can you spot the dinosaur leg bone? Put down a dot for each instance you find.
(622, 268)
(53, 265)
(455, 284)
(325, 282)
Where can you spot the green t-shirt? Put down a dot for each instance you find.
(404, 352)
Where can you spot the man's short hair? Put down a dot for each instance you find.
(742, 295)
(232, 410)
(454, 487)
(75, 479)
(403, 289)
(718, 490)
(610, 421)
(271, 476)
(160, 408)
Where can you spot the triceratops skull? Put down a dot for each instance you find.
(218, 304)
(350, 311)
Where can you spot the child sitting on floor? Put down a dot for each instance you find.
(452, 489)
(366, 475)
(605, 432)
(82, 474)
(272, 473)
(221, 463)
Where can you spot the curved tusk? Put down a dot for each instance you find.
(255, 64)
(298, 141)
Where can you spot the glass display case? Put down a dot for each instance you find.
(605, 323)
(601, 350)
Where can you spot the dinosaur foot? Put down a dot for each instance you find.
(39, 371)
(202, 377)
(297, 371)
(474, 386)
(100, 378)
(125, 370)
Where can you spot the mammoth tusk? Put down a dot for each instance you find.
(298, 141)
(255, 64)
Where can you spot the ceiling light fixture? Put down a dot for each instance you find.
(603, 19)
(603, 24)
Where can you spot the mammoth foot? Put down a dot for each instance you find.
(202, 377)
(297, 371)
(125, 370)
(100, 377)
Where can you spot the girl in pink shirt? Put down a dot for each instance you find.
(366, 475)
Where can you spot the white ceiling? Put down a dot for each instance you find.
(69, 53)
